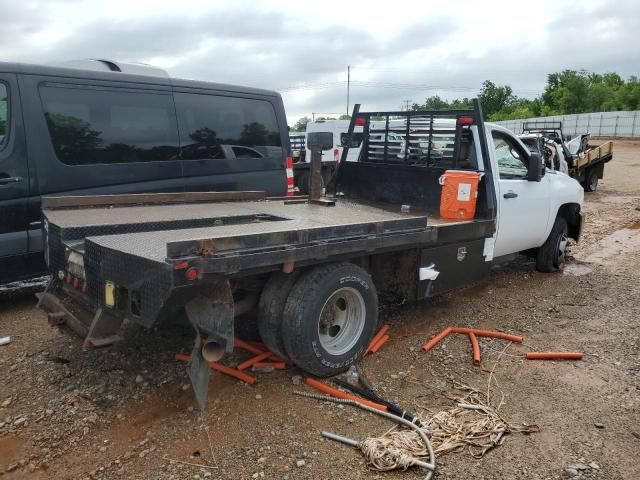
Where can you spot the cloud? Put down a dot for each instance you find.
(402, 52)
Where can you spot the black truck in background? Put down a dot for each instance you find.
(101, 130)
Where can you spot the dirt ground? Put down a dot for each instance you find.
(127, 411)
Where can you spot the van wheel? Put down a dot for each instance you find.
(270, 309)
(329, 318)
(551, 256)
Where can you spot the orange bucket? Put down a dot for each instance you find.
(459, 194)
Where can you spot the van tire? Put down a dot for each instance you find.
(550, 257)
(270, 309)
(344, 296)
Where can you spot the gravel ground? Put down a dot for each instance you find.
(128, 412)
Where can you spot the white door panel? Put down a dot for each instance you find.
(523, 206)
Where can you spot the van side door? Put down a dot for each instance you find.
(14, 174)
(523, 205)
(231, 142)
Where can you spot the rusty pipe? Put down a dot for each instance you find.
(212, 351)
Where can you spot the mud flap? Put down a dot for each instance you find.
(211, 315)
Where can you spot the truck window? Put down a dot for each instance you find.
(509, 157)
(94, 125)
(4, 113)
(208, 123)
(324, 139)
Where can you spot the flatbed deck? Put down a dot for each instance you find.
(231, 225)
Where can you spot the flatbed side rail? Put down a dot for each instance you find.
(599, 153)
(90, 201)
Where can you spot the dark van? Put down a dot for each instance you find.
(70, 131)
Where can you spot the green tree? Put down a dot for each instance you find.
(344, 116)
(495, 98)
(301, 124)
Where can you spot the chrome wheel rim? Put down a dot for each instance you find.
(561, 250)
(342, 320)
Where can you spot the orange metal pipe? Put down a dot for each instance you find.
(222, 369)
(488, 333)
(258, 358)
(554, 356)
(436, 338)
(476, 348)
(376, 338)
(322, 387)
(379, 344)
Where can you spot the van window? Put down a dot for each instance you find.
(356, 139)
(213, 126)
(4, 113)
(323, 139)
(95, 125)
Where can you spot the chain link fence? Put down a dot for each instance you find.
(600, 124)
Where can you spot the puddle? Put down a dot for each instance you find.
(576, 269)
(621, 241)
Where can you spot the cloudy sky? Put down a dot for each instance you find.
(397, 50)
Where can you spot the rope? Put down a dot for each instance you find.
(473, 424)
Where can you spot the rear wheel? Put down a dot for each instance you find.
(270, 308)
(591, 183)
(551, 256)
(329, 318)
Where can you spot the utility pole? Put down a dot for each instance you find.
(348, 85)
(407, 105)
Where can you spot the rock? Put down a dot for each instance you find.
(297, 380)
(258, 397)
(569, 472)
(599, 425)
(6, 403)
(12, 467)
(579, 466)
(20, 421)
(255, 475)
(262, 460)
(102, 449)
(300, 463)
(636, 434)
(594, 466)
(186, 387)
(139, 379)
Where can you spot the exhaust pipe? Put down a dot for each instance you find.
(212, 351)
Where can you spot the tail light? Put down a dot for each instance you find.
(360, 121)
(290, 185)
(465, 120)
(336, 155)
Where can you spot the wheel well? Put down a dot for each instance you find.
(570, 212)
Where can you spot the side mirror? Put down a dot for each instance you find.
(534, 168)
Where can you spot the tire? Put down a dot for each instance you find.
(550, 257)
(345, 296)
(270, 309)
(591, 183)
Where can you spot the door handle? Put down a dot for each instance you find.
(8, 180)
(510, 195)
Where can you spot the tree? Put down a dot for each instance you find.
(344, 116)
(301, 124)
(495, 98)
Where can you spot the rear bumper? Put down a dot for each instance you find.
(97, 328)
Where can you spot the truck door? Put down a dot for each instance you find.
(14, 174)
(523, 206)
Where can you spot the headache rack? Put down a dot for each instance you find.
(543, 126)
(422, 137)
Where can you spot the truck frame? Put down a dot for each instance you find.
(311, 268)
